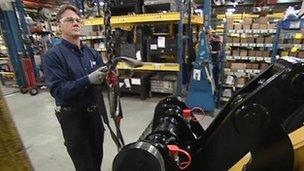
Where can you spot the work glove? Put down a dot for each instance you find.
(98, 76)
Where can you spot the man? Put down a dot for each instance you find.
(72, 71)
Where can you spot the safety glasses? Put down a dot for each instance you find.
(71, 20)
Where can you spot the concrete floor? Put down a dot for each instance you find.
(41, 132)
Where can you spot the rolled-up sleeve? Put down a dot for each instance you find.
(56, 78)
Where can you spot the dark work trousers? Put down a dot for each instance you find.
(83, 133)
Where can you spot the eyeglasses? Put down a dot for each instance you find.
(71, 20)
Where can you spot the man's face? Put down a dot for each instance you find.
(70, 24)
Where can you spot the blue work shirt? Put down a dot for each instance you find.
(66, 69)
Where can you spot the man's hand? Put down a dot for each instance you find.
(98, 76)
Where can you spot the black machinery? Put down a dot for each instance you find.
(256, 120)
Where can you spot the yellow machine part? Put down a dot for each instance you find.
(13, 156)
(297, 139)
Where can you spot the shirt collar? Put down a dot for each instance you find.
(70, 45)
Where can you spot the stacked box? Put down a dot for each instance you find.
(259, 53)
(271, 26)
(269, 40)
(255, 26)
(93, 34)
(251, 53)
(241, 80)
(236, 40)
(230, 23)
(255, 66)
(238, 26)
(243, 53)
(247, 23)
(263, 65)
(236, 52)
(250, 40)
(266, 54)
(238, 65)
(229, 40)
(263, 26)
(260, 40)
(261, 20)
(227, 64)
(244, 40)
(246, 27)
(100, 33)
(301, 54)
(248, 65)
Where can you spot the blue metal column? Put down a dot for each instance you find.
(180, 50)
(207, 14)
(9, 25)
(25, 33)
(276, 42)
(201, 89)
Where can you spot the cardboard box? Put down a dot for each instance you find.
(243, 53)
(243, 39)
(238, 26)
(247, 26)
(271, 26)
(230, 26)
(255, 66)
(255, 26)
(301, 54)
(230, 20)
(236, 52)
(248, 65)
(247, 21)
(241, 80)
(238, 66)
(262, 20)
(295, 54)
(263, 65)
(227, 64)
(250, 40)
(93, 34)
(266, 53)
(229, 39)
(251, 53)
(297, 41)
(263, 26)
(236, 40)
(269, 40)
(100, 33)
(259, 40)
(258, 53)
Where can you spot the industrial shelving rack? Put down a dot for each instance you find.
(128, 21)
(289, 41)
(248, 50)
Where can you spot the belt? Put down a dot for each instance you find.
(91, 108)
